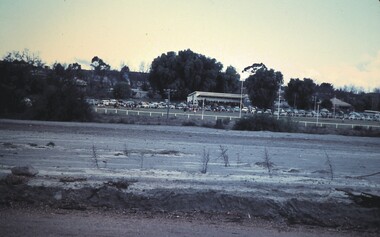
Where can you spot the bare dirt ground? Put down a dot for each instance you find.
(324, 181)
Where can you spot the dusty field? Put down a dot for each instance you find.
(318, 180)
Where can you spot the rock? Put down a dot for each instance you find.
(58, 196)
(28, 171)
(11, 179)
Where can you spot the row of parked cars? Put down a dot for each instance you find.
(289, 112)
(363, 116)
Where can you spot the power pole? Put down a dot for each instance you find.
(241, 98)
(279, 102)
(168, 102)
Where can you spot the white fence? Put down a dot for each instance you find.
(163, 114)
(190, 114)
(337, 125)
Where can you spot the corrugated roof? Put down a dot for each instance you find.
(217, 94)
(339, 103)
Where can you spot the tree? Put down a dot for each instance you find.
(187, 71)
(75, 70)
(26, 57)
(124, 74)
(325, 90)
(99, 66)
(299, 93)
(61, 99)
(99, 84)
(15, 78)
(228, 81)
(121, 90)
(263, 85)
(50, 94)
(326, 103)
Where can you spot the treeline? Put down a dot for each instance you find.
(305, 93)
(30, 89)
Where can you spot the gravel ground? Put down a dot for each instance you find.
(293, 179)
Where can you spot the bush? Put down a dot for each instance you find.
(219, 124)
(265, 123)
(189, 123)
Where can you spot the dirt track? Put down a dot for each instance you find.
(314, 180)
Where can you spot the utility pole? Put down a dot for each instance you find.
(203, 107)
(168, 103)
(318, 112)
(279, 102)
(241, 98)
(334, 101)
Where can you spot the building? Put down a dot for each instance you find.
(339, 104)
(197, 97)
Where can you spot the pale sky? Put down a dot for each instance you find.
(334, 41)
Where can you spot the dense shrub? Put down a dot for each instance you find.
(31, 92)
(219, 124)
(265, 123)
(189, 123)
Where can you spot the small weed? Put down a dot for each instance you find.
(126, 151)
(238, 160)
(268, 163)
(142, 155)
(330, 167)
(224, 156)
(205, 160)
(95, 157)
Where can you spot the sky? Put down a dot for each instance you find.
(333, 41)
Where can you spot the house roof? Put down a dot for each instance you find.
(218, 95)
(339, 103)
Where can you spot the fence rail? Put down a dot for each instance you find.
(337, 125)
(162, 114)
(216, 117)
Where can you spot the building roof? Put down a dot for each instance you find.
(217, 94)
(339, 103)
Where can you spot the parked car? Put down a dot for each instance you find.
(301, 113)
(143, 104)
(153, 105)
(105, 102)
(113, 102)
